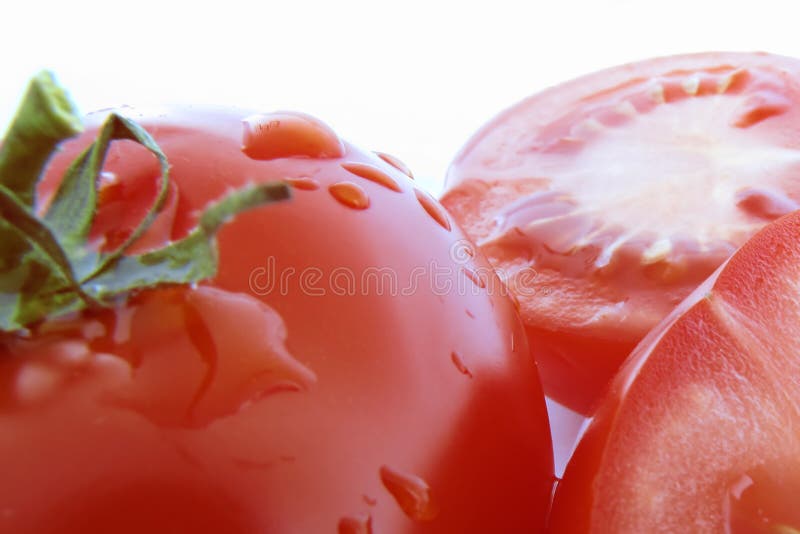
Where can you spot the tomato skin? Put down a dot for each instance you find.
(276, 397)
(696, 433)
(574, 189)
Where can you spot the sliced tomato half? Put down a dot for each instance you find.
(605, 201)
(699, 430)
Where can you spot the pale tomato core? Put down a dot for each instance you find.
(605, 201)
(639, 177)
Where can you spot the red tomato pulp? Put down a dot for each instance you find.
(604, 201)
(699, 430)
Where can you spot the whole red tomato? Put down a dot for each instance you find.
(698, 432)
(352, 365)
(604, 201)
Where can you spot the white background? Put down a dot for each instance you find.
(410, 78)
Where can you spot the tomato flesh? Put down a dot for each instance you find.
(327, 378)
(764, 501)
(603, 202)
(697, 433)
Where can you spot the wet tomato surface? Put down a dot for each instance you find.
(351, 367)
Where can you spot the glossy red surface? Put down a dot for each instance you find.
(309, 386)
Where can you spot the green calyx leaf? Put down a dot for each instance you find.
(188, 260)
(72, 210)
(44, 119)
(47, 267)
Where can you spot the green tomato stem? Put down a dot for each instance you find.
(45, 118)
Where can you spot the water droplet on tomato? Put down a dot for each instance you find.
(122, 324)
(112, 366)
(289, 134)
(396, 163)
(35, 382)
(93, 330)
(71, 352)
(373, 174)
(469, 314)
(433, 208)
(361, 524)
(303, 183)
(411, 493)
(108, 178)
(459, 363)
(350, 194)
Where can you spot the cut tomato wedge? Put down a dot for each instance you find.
(699, 430)
(605, 201)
